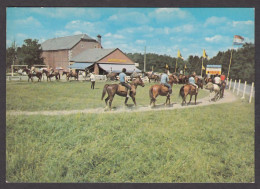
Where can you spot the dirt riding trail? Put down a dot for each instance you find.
(228, 98)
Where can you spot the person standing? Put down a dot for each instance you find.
(123, 82)
(165, 80)
(93, 80)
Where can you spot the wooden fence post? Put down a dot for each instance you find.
(230, 84)
(238, 88)
(244, 91)
(251, 93)
(234, 85)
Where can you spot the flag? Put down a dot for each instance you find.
(238, 40)
(179, 54)
(204, 54)
(203, 68)
(166, 66)
(185, 67)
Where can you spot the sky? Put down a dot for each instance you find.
(161, 30)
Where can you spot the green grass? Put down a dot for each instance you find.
(203, 144)
(35, 96)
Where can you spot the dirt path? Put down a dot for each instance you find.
(228, 98)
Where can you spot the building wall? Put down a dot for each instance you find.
(116, 57)
(60, 58)
(82, 46)
(56, 58)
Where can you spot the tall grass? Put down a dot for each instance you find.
(202, 144)
(73, 95)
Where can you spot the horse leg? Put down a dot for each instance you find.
(196, 98)
(110, 101)
(106, 100)
(126, 99)
(133, 98)
(190, 98)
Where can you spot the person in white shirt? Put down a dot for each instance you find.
(92, 79)
(217, 80)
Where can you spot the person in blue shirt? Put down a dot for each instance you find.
(165, 80)
(192, 81)
(123, 82)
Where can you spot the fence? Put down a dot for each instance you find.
(243, 89)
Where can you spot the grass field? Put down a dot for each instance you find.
(72, 95)
(203, 144)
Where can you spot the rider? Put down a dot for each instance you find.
(222, 77)
(165, 79)
(192, 81)
(217, 80)
(123, 82)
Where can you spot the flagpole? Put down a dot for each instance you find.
(184, 69)
(176, 65)
(201, 67)
(230, 61)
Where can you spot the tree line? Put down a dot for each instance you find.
(242, 62)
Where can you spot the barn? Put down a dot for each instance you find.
(58, 52)
(103, 61)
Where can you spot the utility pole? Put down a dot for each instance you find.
(144, 58)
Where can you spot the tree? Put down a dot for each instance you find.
(11, 55)
(30, 53)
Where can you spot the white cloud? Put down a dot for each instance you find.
(77, 32)
(140, 42)
(61, 33)
(115, 36)
(28, 22)
(162, 15)
(242, 23)
(187, 28)
(217, 39)
(135, 17)
(91, 28)
(215, 20)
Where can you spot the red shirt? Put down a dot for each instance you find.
(222, 77)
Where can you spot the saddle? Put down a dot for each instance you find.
(121, 88)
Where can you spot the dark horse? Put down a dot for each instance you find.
(222, 89)
(71, 74)
(183, 79)
(112, 76)
(156, 78)
(49, 75)
(112, 89)
(191, 90)
(161, 90)
(31, 75)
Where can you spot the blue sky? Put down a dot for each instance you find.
(161, 30)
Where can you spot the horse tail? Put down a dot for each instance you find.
(181, 92)
(104, 91)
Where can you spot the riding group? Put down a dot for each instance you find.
(191, 85)
(50, 72)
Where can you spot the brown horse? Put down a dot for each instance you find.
(71, 74)
(207, 80)
(112, 89)
(183, 79)
(191, 90)
(161, 90)
(50, 75)
(156, 78)
(31, 75)
(112, 76)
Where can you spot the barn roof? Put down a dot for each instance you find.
(92, 55)
(62, 43)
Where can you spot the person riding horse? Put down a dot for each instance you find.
(192, 81)
(123, 81)
(217, 80)
(165, 80)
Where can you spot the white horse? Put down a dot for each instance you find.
(213, 88)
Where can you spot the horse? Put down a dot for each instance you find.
(207, 80)
(191, 90)
(112, 76)
(135, 75)
(71, 74)
(112, 89)
(222, 89)
(155, 77)
(183, 79)
(50, 75)
(213, 88)
(161, 90)
(31, 75)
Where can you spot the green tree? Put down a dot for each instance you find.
(11, 55)
(30, 53)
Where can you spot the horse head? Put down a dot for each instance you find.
(209, 86)
(139, 81)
